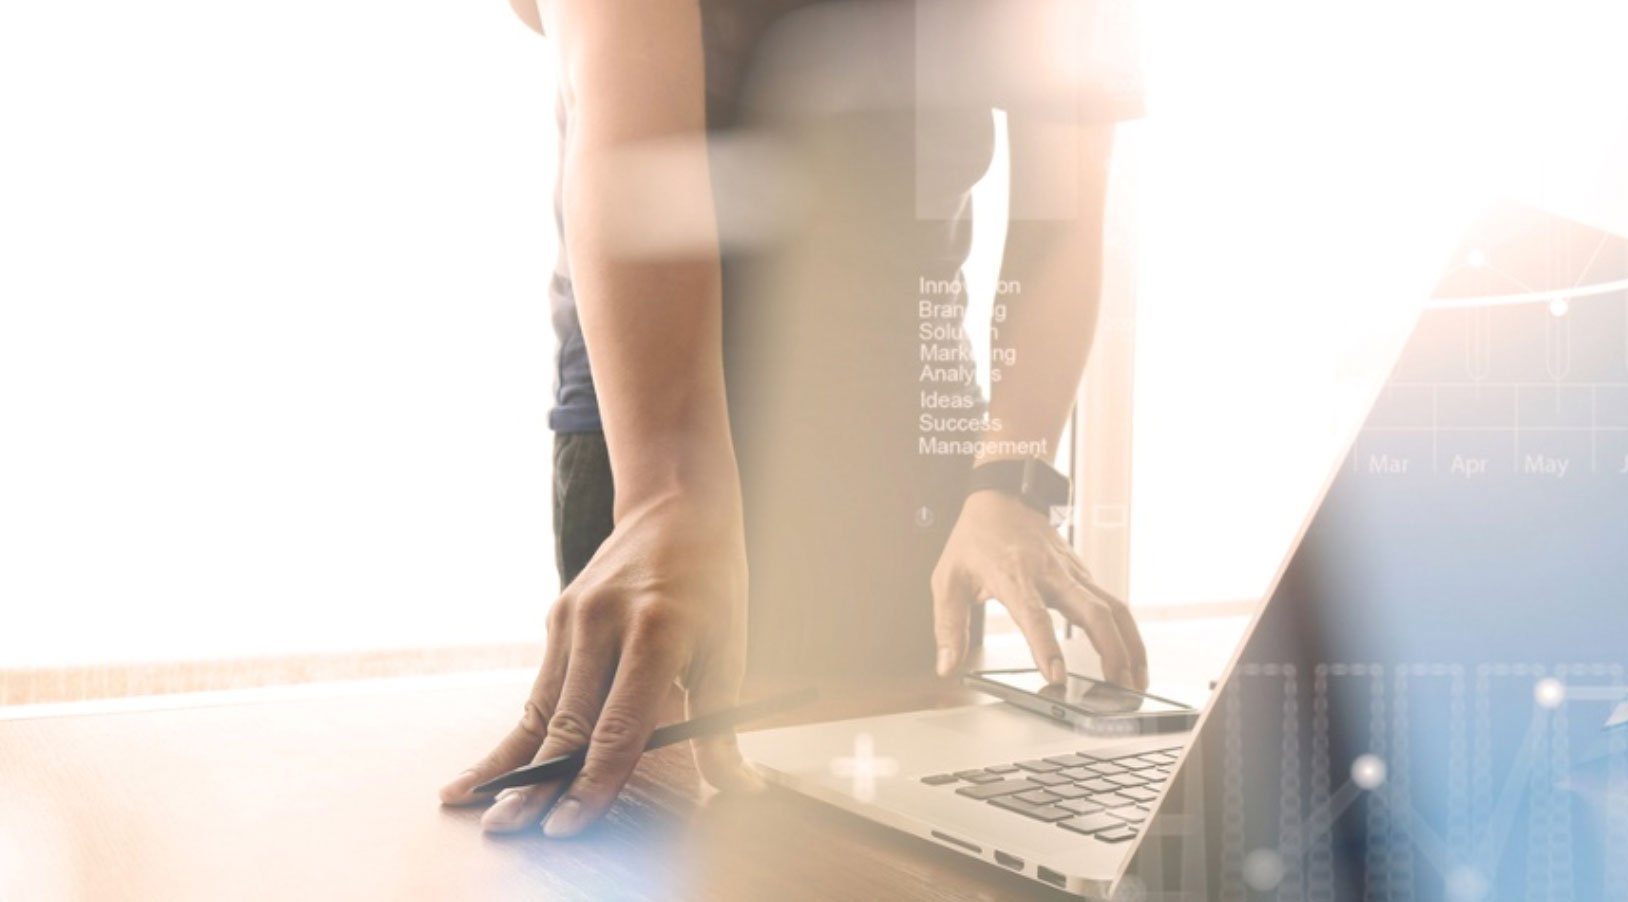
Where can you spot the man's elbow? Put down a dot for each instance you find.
(527, 11)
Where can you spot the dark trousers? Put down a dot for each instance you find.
(583, 496)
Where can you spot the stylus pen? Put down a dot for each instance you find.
(705, 725)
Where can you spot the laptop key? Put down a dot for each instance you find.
(1139, 793)
(1048, 813)
(1105, 799)
(1104, 768)
(991, 790)
(1067, 791)
(1078, 773)
(938, 779)
(1070, 760)
(1097, 784)
(1133, 814)
(978, 776)
(1121, 779)
(1122, 833)
(1039, 767)
(1002, 768)
(1136, 762)
(1037, 797)
(1050, 779)
(1080, 806)
(1091, 824)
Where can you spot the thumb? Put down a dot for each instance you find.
(715, 685)
(952, 617)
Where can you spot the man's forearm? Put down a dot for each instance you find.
(1053, 269)
(651, 316)
(653, 331)
(1048, 330)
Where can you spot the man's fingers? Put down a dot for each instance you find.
(650, 664)
(1028, 609)
(513, 751)
(953, 599)
(1129, 632)
(1083, 609)
(519, 747)
(1132, 637)
(587, 679)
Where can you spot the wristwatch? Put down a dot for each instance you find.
(1031, 480)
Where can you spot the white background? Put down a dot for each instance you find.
(275, 358)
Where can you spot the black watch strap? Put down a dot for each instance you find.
(1033, 481)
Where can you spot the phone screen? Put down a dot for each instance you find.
(1090, 696)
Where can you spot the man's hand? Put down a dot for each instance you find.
(1002, 548)
(663, 600)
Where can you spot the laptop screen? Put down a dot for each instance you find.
(1421, 709)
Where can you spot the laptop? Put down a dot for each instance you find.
(1406, 714)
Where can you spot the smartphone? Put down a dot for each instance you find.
(1091, 705)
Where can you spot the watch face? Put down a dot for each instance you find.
(1044, 486)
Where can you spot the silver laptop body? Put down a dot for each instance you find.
(876, 767)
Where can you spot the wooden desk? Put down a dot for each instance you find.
(330, 794)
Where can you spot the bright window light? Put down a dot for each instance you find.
(275, 359)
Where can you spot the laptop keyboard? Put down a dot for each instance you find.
(1106, 798)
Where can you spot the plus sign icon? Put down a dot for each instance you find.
(864, 767)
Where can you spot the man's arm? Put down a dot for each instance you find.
(636, 140)
(663, 599)
(527, 11)
(1000, 547)
(1051, 322)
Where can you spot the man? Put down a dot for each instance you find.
(850, 492)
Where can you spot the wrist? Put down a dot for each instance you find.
(713, 505)
(1030, 481)
(709, 489)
